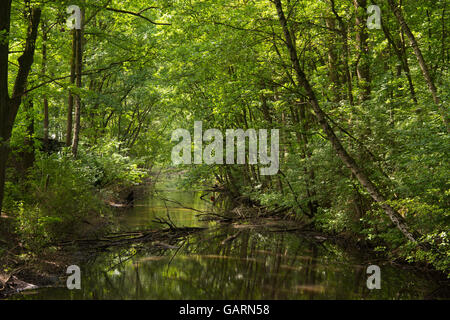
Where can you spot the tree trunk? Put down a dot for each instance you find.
(343, 31)
(28, 155)
(362, 65)
(4, 153)
(10, 106)
(401, 55)
(78, 69)
(396, 218)
(72, 81)
(44, 70)
(5, 11)
(423, 66)
(333, 62)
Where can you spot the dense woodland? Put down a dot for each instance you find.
(362, 112)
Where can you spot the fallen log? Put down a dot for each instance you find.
(166, 236)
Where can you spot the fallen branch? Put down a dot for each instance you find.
(232, 237)
(170, 235)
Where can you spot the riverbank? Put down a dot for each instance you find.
(23, 270)
(246, 213)
(44, 264)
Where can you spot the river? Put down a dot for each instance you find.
(257, 264)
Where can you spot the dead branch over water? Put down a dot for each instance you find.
(162, 238)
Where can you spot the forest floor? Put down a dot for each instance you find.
(22, 270)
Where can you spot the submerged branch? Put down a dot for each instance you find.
(125, 238)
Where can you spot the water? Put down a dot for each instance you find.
(257, 264)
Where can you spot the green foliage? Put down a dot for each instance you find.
(225, 62)
(57, 197)
(106, 167)
(34, 228)
(62, 194)
(332, 220)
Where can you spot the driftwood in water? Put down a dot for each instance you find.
(245, 213)
(118, 205)
(164, 238)
(180, 204)
(232, 237)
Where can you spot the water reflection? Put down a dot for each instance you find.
(257, 264)
(142, 215)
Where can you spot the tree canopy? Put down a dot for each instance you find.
(362, 112)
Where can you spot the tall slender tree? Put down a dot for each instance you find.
(423, 65)
(322, 119)
(78, 75)
(9, 105)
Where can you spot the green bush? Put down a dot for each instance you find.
(57, 197)
(61, 193)
(108, 167)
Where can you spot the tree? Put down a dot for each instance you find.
(423, 66)
(363, 63)
(78, 75)
(335, 142)
(9, 106)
